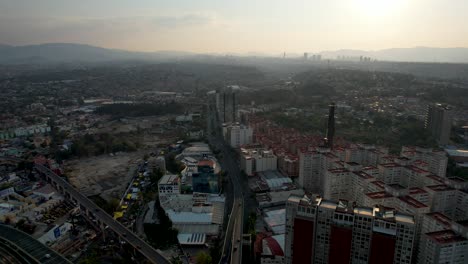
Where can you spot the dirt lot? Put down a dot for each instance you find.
(104, 175)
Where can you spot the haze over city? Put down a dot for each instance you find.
(234, 132)
(213, 26)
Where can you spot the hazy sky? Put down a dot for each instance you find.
(271, 26)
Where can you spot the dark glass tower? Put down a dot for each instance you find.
(330, 127)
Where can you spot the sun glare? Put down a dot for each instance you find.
(377, 8)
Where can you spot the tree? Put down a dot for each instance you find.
(155, 176)
(161, 235)
(203, 258)
(176, 260)
(215, 250)
(113, 204)
(251, 223)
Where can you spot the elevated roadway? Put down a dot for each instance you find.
(232, 248)
(103, 219)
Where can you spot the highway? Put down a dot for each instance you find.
(232, 249)
(145, 249)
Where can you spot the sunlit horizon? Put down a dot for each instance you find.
(210, 26)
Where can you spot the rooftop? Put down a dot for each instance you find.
(396, 186)
(379, 195)
(206, 162)
(367, 211)
(457, 179)
(338, 170)
(440, 188)
(445, 237)
(169, 179)
(436, 178)
(441, 218)
(274, 179)
(363, 175)
(416, 190)
(399, 217)
(369, 168)
(192, 239)
(379, 184)
(328, 204)
(46, 189)
(411, 201)
(403, 158)
(274, 245)
(390, 165)
(189, 217)
(416, 169)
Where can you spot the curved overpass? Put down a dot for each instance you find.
(19, 247)
(102, 218)
(92, 210)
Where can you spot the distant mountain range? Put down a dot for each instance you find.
(68, 52)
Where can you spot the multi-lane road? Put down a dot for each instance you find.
(232, 250)
(145, 249)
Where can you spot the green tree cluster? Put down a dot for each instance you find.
(203, 258)
(172, 164)
(161, 235)
(134, 110)
(108, 206)
(454, 171)
(89, 145)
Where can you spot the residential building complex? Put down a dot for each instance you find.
(325, 231)
(257, 160)
(237, 135)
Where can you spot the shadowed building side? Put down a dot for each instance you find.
(330, 127)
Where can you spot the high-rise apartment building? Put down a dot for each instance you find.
(257, 160)
(310, 171)
(325, 231)
(442, 198)
(442, 240)
(237, 135)
(439, 123)
(444, 246)
(435, 161)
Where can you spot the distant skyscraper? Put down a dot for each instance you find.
(439, 123)
(227, 106)
(306, 55)
(331, 126)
